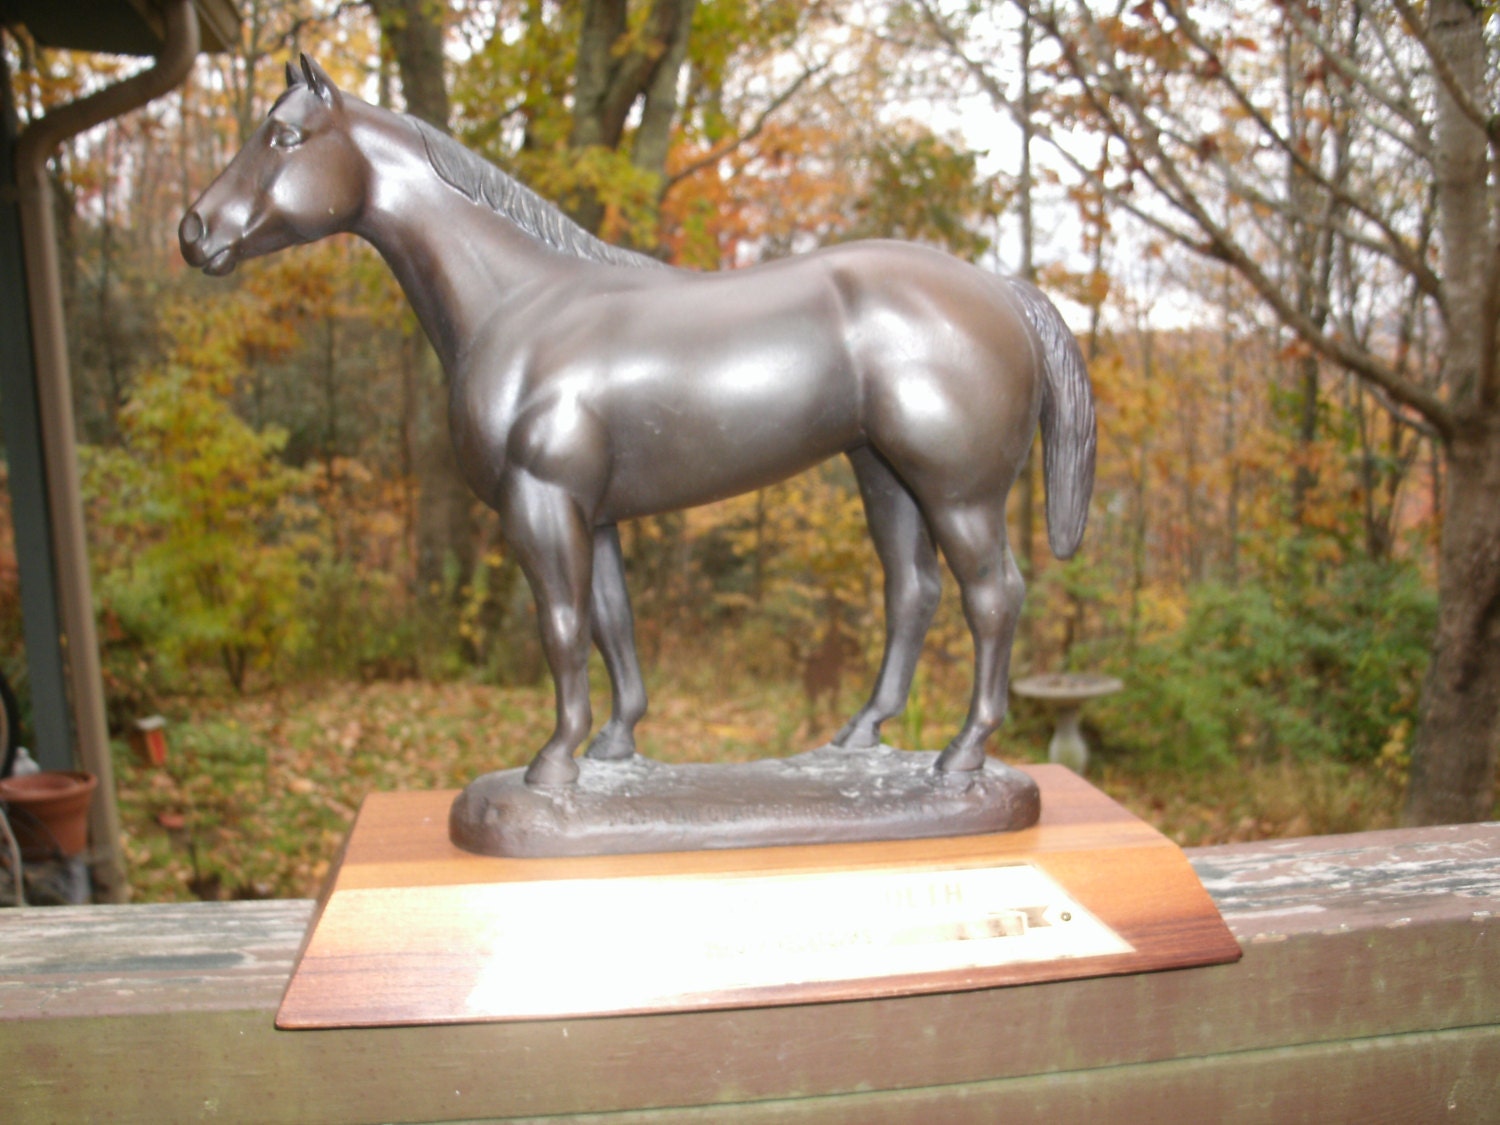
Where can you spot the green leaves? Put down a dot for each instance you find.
(202, 536)
(1311, 670)
(922, 188)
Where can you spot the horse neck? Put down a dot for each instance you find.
(456, 260)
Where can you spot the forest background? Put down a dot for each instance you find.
(1273, 227)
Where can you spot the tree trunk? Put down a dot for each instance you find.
(613, 73)
(1458, 741)
(1027, 487)
(1141, 519)
(413, 31)
(1230, 446)
(653, 137)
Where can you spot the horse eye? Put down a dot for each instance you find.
(285, 136)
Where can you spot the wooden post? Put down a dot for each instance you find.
(52, 739)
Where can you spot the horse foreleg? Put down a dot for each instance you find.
(614, 634)
(913, 587)
(974, 543)
(551, 538)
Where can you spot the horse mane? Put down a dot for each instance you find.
(481, 182)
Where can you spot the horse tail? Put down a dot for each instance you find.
(1069, 434)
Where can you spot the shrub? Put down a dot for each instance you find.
(1330, 671)
(202, 537)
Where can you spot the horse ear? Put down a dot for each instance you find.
(293, 77)
(319, 82)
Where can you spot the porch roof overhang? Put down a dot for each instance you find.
(117, 27)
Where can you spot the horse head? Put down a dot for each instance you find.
(299, 178)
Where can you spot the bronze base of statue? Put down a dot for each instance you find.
(828, 795)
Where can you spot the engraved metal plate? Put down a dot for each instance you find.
(594, 946)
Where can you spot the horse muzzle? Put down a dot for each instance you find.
(197, 248)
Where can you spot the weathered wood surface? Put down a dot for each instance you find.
(1369, 991)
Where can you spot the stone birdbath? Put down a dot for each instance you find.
(1065, 693)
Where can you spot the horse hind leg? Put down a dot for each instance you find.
(614, 634)
(973, 541)
(913, 587)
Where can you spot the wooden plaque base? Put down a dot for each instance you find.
(413, 930)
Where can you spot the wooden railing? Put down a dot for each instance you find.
(1369, 992)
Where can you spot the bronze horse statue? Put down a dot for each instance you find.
(589, 384)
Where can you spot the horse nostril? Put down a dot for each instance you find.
(191, 229)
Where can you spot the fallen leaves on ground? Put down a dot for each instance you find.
(259, 792)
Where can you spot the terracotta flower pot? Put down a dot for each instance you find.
(58, 804)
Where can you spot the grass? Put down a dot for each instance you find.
(259, 792)
(1257, 801)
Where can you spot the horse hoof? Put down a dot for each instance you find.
(960, 760)
(855, 736)
(607, 749)
(551, 773)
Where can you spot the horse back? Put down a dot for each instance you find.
(651, 391)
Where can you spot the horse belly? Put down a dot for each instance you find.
(717, 421)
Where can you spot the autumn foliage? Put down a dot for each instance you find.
(261, 452)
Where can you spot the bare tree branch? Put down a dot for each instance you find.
(1451, 84)
(1408, 258)
(1389, 95)
(1144, 143)
(1143, 137)
(1398, 247)
(762, 119)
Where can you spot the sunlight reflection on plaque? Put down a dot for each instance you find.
(621, 945)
